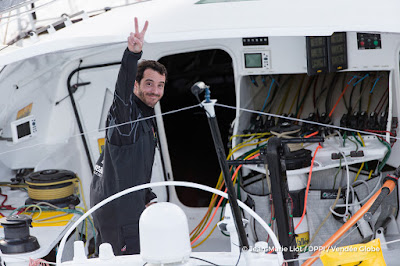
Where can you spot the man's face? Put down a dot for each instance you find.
(151, 87)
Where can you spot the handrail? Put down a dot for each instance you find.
(274, 239)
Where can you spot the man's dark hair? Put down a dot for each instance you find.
(150, 64)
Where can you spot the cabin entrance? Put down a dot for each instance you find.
(190, 144)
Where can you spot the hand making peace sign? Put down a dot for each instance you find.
(135, 40)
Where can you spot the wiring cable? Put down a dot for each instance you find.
(337, 172)
(341, 95)
(269, 92)
(203, 222)
(219, 185)
(278, 88)
(344, 139)
(348, 185)
(361, 138)
(51, 207)
(331, 88)
(285, 97)
(307, 121)
(365, 199)
(325, 219)
(370, 174)
(297, 94)
(363, 182)
(311, 135)
(311, 81)
(209, 262)
(209, 234)
(355, 137)
(383, 163)
(371, 93)
(314, 92)
(347, 106)
(323, 89)
(362, 88)
(248, 135)
(308, 186)
(359, 99)
(379, 103)
(380, 131)
(317, 256)
(220, 201)
(359, 171)
(390, 184)
(383, 103)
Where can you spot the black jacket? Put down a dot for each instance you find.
(126, 161)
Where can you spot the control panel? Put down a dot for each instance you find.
(23, 129)
(367, 41)
(256, 61)
(326, 53)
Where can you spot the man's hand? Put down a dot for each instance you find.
(150, 203)
(135, 40)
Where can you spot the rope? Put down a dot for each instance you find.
(51, 194)
(101, 129)
(46, 192)
(198, 105)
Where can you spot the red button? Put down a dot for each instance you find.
(362, 43)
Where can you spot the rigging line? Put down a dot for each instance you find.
(89, 12)
(391, 242)
(306, 121)
(301, 259)
(348, 234)
(102, 129)
(30, 10)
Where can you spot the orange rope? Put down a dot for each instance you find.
(312, 134)
(220, 201)
(209, 207)
(352, 221)
(338, 100)
(308, 187)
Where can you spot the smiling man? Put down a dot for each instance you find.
(128, 155)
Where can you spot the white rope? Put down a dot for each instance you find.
(102, 129)
(391, 242)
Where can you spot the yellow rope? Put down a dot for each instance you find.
(82, 194)
(209, 234)
(370, 174)
(362, 140)
(51, 183)
(359, 171)
(234, 181)
(51, 194)
(220, 180)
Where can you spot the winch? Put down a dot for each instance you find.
(53, 186)
(16, 235)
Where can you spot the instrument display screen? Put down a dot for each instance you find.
(23, 130)
(253, 60)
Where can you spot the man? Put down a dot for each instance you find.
(128, 155)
